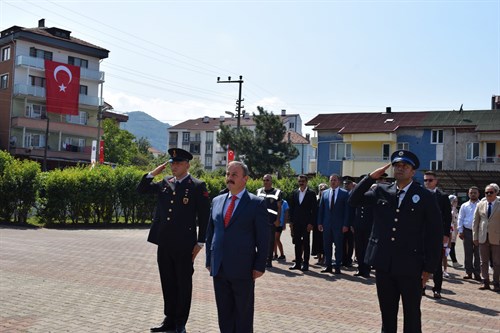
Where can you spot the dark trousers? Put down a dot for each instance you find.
(437, 276)
(472, 262)
(360, 244)
(176, 274)
(235, 303)
(390, 288)
(348, 245)
(270, 254)
(330, 237)
(453, 254)
(301, 241)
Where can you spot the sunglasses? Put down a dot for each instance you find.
(489, 193)
(429, 180)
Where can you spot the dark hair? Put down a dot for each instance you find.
(430, 173)
(303, 177)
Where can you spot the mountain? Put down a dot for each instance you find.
(142, 124)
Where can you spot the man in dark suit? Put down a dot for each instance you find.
(303, 210)
(430, 183)
(406, 239)
(182, 202)
(237, 248)
(333, 221)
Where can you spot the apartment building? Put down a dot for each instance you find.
(199, 137)
(462, 146)
(26, 129)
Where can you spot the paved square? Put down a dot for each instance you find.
(92, 280)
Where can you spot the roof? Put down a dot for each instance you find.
(211, 124)
(462, 180)
(345, 123)
(59, 37)
(295, 138)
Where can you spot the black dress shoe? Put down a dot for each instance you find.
(437, 295)
(180, 329)
(304, 268)
(358, 274)
(295, 266)
(327, 270)
(164, 327)
(478, 278)
(337, 271)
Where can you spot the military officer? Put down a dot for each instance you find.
(182, 203)
(406, 239)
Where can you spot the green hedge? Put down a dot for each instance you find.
(99, 196)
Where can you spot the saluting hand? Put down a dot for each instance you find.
(379, 172)
(158, 169)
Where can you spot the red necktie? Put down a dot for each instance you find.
(229, 211)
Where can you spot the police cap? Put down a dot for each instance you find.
(179, 155)
(405, 156)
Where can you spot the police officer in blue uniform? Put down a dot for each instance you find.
(405, 242)
(182, 204)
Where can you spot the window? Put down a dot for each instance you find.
(83, 90)
(291, 125)
(340, 151)
(210, 137)
(4, 81)
(37, 53)
(472, 151)
(34, 140)
(209, 147)
(172, 138)
(437, 136)
(208, 162)
(35, 111)
(80, 119)
(185, 137)
(194, 148)
(403, 145)
(78, 62)
(386, 151)
(37, 81)
(436, 165)
(74, 144)
(6, 53)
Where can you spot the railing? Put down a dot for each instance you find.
(39, 63)
(24, 89)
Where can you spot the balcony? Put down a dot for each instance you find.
(54, 126)
(39, 63)
(83, 155)
(35, 91)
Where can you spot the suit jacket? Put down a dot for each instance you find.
(179, 209)
(405, 240)
(337, 217)
(482, 225)
(445, 208)
(243, 245)
(302, 214)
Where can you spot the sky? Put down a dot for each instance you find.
(307, 57)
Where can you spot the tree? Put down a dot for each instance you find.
(263, 151)
(119, 145)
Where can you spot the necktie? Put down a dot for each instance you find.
(332, 202)
(489, 209)
(229, 211)
(398, 195)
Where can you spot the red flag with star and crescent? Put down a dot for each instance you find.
(62, 82)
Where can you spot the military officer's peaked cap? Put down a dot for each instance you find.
(179, 155)
(405, 156)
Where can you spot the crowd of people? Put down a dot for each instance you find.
(402, 231)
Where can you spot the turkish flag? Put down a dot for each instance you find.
(230, 155)
(62, 82)
(101, 151)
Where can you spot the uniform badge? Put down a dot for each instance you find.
(416, 198)
(185, 201)
(401, 153)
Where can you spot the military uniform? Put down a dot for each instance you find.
(181, 206)
(405, 241)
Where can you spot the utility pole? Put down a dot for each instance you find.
(238, 102)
